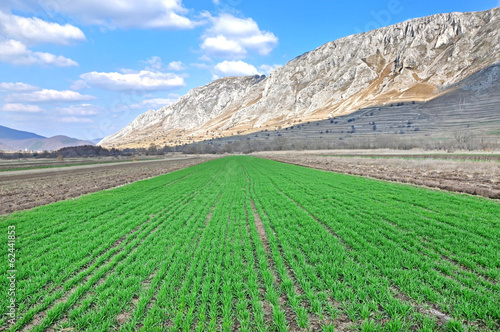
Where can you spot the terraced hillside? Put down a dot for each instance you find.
(242, 243)
(472, 109)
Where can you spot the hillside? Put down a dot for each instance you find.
(13, 134)
(467, 117)
(411, 62)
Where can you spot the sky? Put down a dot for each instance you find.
(87, 68)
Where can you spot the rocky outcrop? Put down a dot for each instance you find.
(191, 112)
(415, 60)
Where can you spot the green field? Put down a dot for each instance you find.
(248, 244)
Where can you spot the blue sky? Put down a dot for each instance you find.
(86, 68)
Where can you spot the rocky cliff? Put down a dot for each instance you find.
(416, 60)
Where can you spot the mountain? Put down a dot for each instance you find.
(13, 134)
(16, 140)
(468, 117)
(413, 61)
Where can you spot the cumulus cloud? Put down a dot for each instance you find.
(221, 46)
(34, 30)
(235, 68)
(233, 37)
(47, 95)
(162, 14)
(140, 81)
(16, 107)
(14, 52)
(19, 86)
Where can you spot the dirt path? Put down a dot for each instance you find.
(20, 190)
(476, 178)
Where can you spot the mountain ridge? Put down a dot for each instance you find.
(415, 60)
(14, 134)
(12, 140)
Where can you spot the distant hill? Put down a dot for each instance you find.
(13, 134)
(16, 140)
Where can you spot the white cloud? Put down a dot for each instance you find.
(229, 25)
(83, 109)
(19, 86)
(233, 37)
(221, 46)
(15, 52)
(34, 30)
(176, 66)
(141, 81)
(216, 2)
(15, 107)
(235, 68)
(163, 14)
(74, 119)
(47, 95)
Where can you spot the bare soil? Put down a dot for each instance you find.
(21, 190)
(471, 177)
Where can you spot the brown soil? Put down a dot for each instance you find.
(476, 178)
(21, 190)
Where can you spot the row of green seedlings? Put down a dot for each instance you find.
(420, 227)
(177, 232)
(367, 226)
(483, 291)
(52, 227)
(471, 222)
(45, 288)
(293, 293)
(178, 299)
(275, 288)
(57, 279)
(60, 306)
(212, 294)
(467, 224)
(331, 279)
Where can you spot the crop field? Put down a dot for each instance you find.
(466, 176)
(242, 243)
